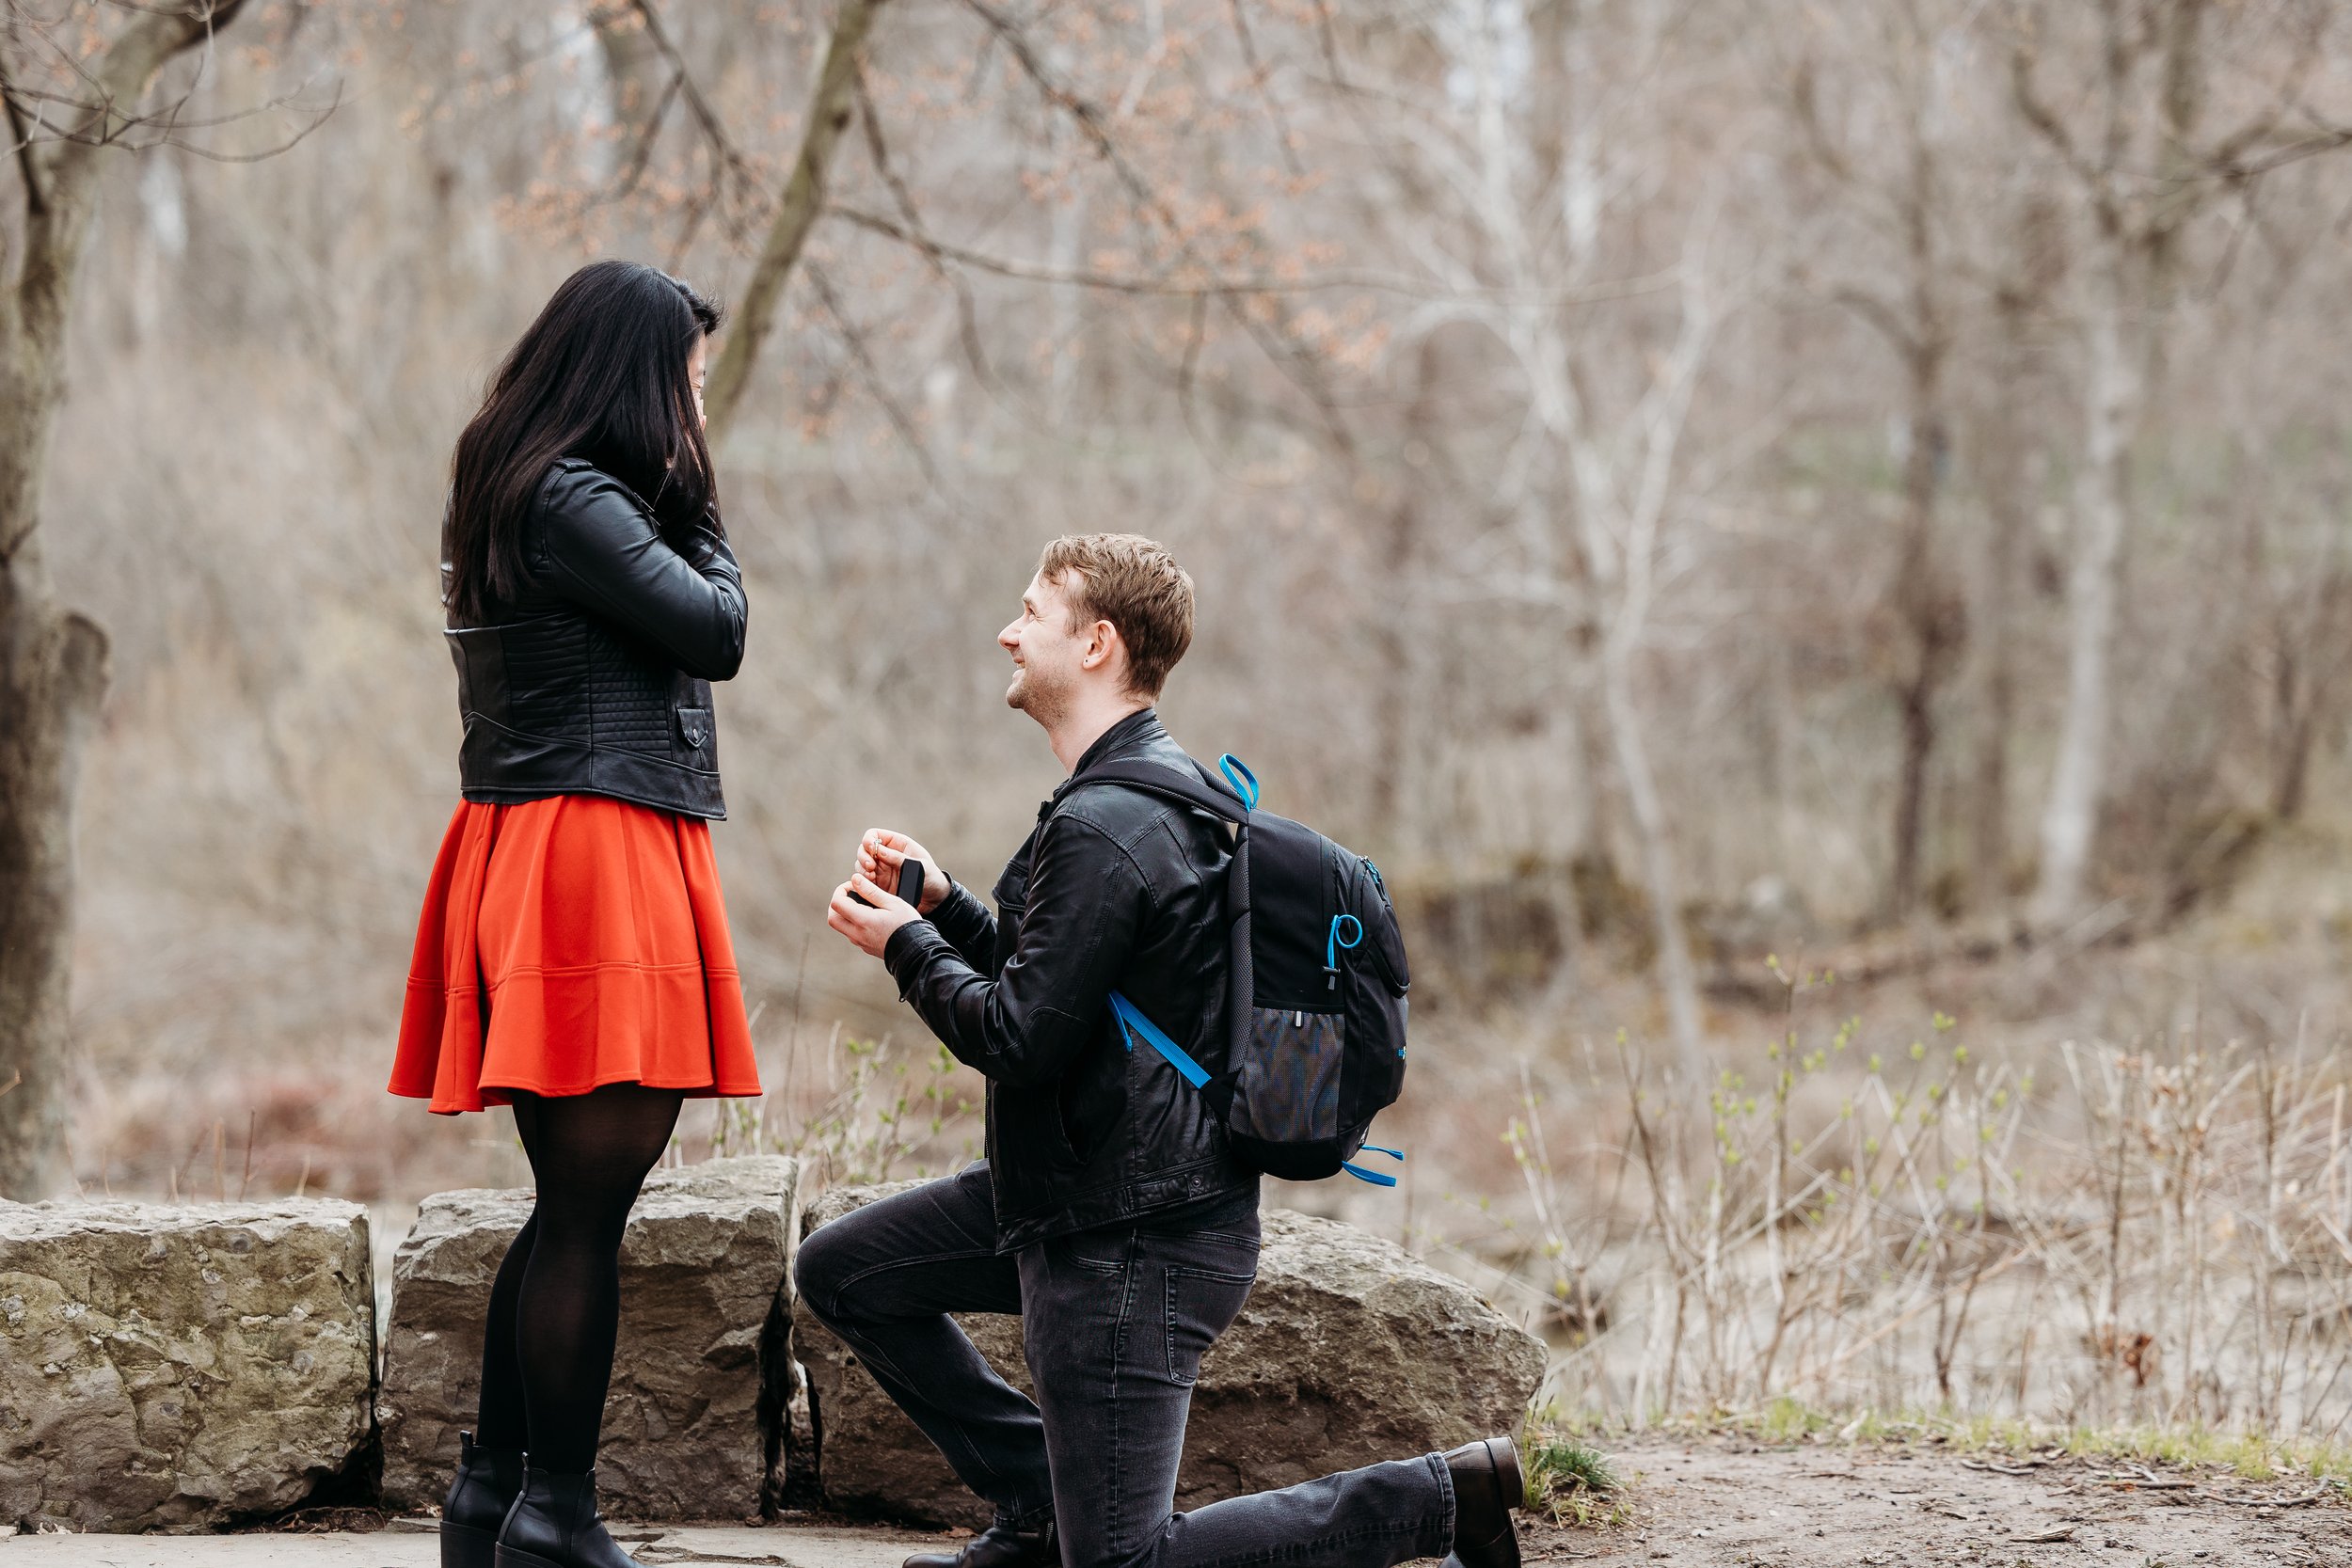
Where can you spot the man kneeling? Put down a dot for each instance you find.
(1109, 1212)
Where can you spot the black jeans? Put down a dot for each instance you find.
(1113, 1323)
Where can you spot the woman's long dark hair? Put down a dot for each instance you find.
(600, 376)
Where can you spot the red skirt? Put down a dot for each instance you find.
(566, 944)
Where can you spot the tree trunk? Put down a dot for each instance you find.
(1932, 624)
(1396, 715)
(2290, 742)
(1676, 975)
(52, 671)
(2116, 388)
(1916, 701)
(52, 661)
(2009, 511)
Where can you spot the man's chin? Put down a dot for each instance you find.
(1026, 696)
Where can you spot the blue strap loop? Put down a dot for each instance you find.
(1132, 1023)
(1332, 944)
(1376, 1178)
(1237, 773)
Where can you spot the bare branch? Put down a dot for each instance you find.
(36, 200)
(1216, 285)
(642, 154)
(1881, 316)
(2045, 120)
(2330, 139)
(967, 310)
(1279, 347)
(796, 214)
(1805, 99)
(714, 130)
(1284, 137)
(855, 337)
(121, 76)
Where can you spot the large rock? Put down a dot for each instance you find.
(1348, 1352)
(180, 1367)
(695, 1416)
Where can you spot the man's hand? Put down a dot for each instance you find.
(880, 854)
(870, 928)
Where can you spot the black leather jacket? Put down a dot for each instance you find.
(596, 679)
(1116, 890)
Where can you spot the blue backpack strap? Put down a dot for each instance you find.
(1376, 1178)
(1132, 1023)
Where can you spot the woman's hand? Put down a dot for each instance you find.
(880, 854)
(869, 925)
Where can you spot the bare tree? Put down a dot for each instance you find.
(53, 660)
(2141, 168)
(1516, 154)
(1905, 205)
(2008, 457)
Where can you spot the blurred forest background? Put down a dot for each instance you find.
(1808, 537)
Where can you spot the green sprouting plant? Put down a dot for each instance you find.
(738, 1127)
(1569, 1481)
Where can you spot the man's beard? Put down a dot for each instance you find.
(1043, 700)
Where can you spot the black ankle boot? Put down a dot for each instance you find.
(1486, 1488)
(998, 1546)
(487, 1481)
(554, 1524)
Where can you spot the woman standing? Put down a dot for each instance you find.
(573, 960)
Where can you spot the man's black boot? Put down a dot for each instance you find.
(487, 1482)
(998, 1546)
(1486, 1488)
(554, 1524)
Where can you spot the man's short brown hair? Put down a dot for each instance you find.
(1135, 585)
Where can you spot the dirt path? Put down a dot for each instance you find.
(1700, 1503)
(1732, 1503)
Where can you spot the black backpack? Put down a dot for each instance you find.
(1316, 1008)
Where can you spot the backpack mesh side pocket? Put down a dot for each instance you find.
(1287, 1084)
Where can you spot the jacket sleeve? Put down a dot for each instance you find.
(968, 926)
(605, 553)
(1028, 1024)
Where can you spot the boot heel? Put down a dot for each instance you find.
(509, 1557)
(464, 1547)
(1505, 1454)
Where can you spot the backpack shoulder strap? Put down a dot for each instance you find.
(1170, 784)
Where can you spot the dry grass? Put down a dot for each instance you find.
(2153, 1239)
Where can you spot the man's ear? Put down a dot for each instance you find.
(1103, 641)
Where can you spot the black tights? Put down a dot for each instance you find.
(547, 1353)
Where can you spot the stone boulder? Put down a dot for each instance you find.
(695, 1417)
(1349, 1351)
(180, 1367)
